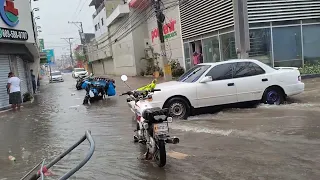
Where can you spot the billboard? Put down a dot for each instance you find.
(50, 55)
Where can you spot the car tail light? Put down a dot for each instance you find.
(299, 78)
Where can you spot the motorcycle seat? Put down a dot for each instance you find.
(154, 115)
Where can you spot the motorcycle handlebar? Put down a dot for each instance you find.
(137, 93)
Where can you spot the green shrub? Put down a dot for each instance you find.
(310, 69)
(176, 68)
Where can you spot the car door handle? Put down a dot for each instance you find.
(264, 80)
(231, 84)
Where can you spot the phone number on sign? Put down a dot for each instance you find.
(12, 34)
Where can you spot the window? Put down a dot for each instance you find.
(311, 44)
(96, 27)
(246, 69)
(102, 21)
(260, 45)
(211, 50)
(194, 73)
(228, 46)
(287, 46)
(221, 72)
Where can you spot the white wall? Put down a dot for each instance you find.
(123, 51)
(25, 21)
(103, 28)
(174, 46)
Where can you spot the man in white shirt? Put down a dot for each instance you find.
(14, 94)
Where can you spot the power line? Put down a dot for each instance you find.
(70, 46)
(123, 35)
(76, 9)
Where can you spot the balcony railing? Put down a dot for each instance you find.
(98, 10)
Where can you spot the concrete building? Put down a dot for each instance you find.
(18, 45)
(125, 33)
(276, 32)
(281, 32)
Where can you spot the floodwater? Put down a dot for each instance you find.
(267, 142)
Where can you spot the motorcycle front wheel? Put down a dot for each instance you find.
(161, 156)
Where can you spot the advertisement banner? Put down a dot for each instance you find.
(50, 55)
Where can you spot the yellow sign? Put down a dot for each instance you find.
(167, 69)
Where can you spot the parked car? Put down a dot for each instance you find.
(227, 82)
(56, 76)
(79, 71)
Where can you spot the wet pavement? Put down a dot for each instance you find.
(267, 142)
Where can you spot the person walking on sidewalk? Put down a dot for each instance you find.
(14, 94)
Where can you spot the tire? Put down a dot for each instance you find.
(161, 156)
(178, 108)
(273, 95)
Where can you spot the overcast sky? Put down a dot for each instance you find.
(54, 17)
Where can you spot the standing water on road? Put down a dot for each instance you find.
(268, 142)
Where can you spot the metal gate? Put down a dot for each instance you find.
(22, 76)
(4, 70)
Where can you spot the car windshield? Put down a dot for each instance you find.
(79, 70)
(55, 73)
(194, 73)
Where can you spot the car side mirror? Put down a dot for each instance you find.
(206, 79)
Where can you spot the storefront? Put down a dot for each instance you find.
(17, 45)
(279, 33)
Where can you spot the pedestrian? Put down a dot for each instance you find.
(34, 84)
(15, 94)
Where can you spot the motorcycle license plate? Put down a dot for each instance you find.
(161, 128)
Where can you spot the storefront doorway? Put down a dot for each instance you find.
(4, 70)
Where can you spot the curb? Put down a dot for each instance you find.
(310, 76)
(6, 109)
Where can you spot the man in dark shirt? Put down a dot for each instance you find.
(33, 78)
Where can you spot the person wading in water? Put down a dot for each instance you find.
(14, 91)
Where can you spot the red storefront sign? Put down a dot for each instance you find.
(167, 30)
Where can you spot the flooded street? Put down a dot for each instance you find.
(267, 142)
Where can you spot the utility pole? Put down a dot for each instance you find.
(70, 44)
(160, 20)
(82, 37)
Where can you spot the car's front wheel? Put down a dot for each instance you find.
(273, 95)
(178, 108)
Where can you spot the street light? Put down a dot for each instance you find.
(35, 9)
(38, 17)
(39, 27)
(39, 31)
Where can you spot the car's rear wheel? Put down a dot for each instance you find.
(273, 95)
(178, 108)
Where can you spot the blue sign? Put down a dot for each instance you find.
(50, 55)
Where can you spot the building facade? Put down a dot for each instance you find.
(18, 46)
(281, 32)
(276, 32)
(128, 33)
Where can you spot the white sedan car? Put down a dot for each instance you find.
(227, 82)
(79, 72)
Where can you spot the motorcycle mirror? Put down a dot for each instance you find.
(124, 78)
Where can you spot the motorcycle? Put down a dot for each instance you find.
(81, 80)
(45, 169)
(152, 124)
(98, 90)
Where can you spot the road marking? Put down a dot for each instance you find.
(177, 155)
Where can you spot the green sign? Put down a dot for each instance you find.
(41, 41)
